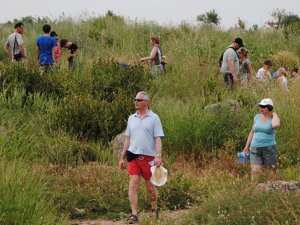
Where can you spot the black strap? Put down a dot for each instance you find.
(234, 51)
(14, 44)
(161, 56)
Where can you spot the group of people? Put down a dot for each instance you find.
(143, 147)
(48, 48)
(143, 144)
(236, 67)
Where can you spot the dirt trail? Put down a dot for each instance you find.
(164, 215)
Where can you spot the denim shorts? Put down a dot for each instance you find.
(157, 69)
(265, 156)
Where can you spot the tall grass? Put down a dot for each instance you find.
(23, 196)
(62, 120)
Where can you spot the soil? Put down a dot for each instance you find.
(164, 215)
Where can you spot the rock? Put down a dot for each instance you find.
(285, 186)
(231, 103)
(117, 143)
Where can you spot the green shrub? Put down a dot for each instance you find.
(176, 193)
(99, 108)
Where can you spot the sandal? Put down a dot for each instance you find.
(132, 219)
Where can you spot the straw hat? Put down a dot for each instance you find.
(159, 175)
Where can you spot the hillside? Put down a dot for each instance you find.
(56, 128)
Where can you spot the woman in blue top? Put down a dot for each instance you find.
(261, 139)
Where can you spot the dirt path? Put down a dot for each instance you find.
(164, 216)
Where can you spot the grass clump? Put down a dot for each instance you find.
(23, 196)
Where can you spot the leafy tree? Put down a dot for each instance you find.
(241, 24)
(278, 14)
(210, 17)
(289, 19)
(254, 27)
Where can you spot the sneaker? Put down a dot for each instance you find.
(132, 219)
(156, 211)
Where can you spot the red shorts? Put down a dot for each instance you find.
(141, 166)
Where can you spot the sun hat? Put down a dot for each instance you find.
(159, 175)
(239, 41)
(266, 101)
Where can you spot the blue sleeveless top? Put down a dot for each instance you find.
(264, 133)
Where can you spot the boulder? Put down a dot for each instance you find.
(117, 143)
(281, 185)
(231, 103)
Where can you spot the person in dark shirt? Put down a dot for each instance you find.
(73, 51)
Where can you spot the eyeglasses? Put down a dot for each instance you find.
(263, 106)
(139, 99)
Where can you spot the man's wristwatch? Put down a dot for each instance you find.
(158, 155)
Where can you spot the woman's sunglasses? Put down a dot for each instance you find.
(263, 106)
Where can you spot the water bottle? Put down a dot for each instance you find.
(151, 163)
(243, 157)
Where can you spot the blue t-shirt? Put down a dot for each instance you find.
(45, 44)
(264, 133)
(142, 133)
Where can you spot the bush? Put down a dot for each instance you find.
(28, 77)
(99, 108)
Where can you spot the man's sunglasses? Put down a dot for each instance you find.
(139, 99)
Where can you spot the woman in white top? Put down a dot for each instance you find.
(155, 57)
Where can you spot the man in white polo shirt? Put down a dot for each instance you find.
(143, 149)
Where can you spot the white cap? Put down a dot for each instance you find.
(159, 175)
(266, 101)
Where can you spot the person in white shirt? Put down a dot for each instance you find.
(264, 73)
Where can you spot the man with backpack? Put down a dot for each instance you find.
(14, 46)
(230, 63)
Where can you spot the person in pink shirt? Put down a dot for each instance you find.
(57, 52)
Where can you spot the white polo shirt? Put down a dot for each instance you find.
(142, 133)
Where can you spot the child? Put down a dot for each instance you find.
(73, 50)
(57, 53)
(264, 73)
(282, 76)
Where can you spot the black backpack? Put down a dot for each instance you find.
(221, 57)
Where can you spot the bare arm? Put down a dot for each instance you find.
(6, 49)
(250, 136)
(22, 50)
(54, 51)
(37, 52)
(250, 70)
(275, 120)
(158, 148)
(122, 164)
(152, 55)
(232, 69)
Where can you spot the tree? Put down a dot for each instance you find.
(241, 24)
(278, 14)
(210, 17)
(289, 20)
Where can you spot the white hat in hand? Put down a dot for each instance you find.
(159, 175)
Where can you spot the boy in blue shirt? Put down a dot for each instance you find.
(45, 49)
